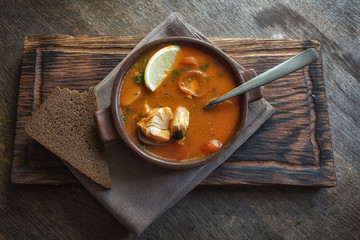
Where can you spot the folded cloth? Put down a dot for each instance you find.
(141, 191)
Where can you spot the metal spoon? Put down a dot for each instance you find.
(300, 60)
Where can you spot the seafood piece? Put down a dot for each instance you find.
(193, 82)
(190, 62)
(146, 110)
(180, 123)
(156, 124)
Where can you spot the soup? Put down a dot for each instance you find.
(172, 115)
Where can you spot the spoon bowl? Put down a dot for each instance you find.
(147, 140)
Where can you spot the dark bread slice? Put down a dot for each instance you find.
(65, 125)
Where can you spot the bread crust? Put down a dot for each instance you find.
(65, 125)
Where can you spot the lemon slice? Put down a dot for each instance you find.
(159, 66)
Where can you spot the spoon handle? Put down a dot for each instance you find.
(298, 61)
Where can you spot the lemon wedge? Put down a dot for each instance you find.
(159, 66)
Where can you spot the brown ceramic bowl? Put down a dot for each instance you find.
(115, 118)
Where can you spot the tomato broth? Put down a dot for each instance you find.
(206, 127)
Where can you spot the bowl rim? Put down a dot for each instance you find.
(116, 111)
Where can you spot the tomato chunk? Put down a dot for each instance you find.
(211, 146)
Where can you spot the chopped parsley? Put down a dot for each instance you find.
(135, 64)
(178, 135)
(203, 67)
(176, 73)
(139, 117)
(125, 115)
(139, 79)
(221, 74)
(142, 67)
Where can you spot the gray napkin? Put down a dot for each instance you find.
(140, 191)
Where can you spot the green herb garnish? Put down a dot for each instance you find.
(178, 135)
(138, 117)
(204, 67)
(167, 95)
(124, 116)
(135, 64)
(139, 79)
(221, 74)
(176, 72)
(143, 147)
(142, 68)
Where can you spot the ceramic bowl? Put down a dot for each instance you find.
(113, 114)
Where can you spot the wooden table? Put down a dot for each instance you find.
(69, 211)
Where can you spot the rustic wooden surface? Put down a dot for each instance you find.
(292, 148)
(70, 212)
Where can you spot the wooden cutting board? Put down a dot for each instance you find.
(292, 148)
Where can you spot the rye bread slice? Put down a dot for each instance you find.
(65, 125)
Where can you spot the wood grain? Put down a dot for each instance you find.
(292, 148)
(69, 211)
